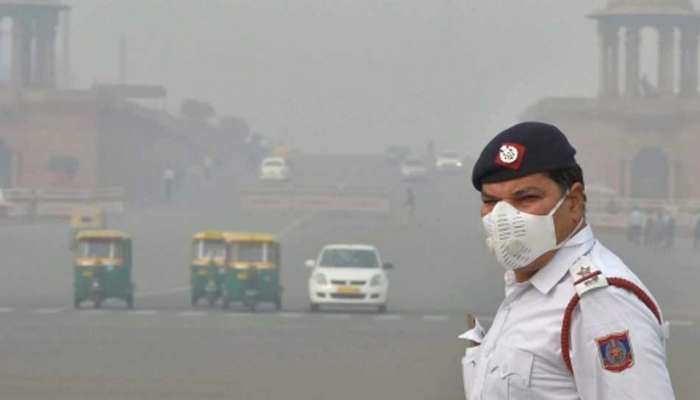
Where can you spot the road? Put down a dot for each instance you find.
(166, 349)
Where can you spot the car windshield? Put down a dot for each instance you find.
(343, 258)
(99, 249)
(449, 155)
(210, 249)
(250, 252)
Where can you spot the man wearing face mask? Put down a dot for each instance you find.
(576, 322)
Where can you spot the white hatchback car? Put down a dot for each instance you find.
(448, 161)
(414, 170)
(274, 169)
(348, 274)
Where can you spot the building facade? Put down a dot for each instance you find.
(639, 139)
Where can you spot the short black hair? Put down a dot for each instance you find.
(566, 177)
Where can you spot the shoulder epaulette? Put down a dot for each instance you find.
(586, 276)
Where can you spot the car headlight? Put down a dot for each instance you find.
(459, 164)
(376, 280)
(320, 279)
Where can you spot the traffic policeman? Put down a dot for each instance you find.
(576, 322)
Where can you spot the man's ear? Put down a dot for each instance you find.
(577, 194)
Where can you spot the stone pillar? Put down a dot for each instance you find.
(689, 61)
(2, 47)
(609, 55)
(21, 51)
(666, 64)
(46, 51)
(615, 62)
(632, 61)
(604, 69)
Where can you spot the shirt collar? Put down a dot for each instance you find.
(547, 277)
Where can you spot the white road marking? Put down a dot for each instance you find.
(388, 317)
(337, 316)
(46, 311)
(293, 225)
(5, 310)
(93, 312)
(290, 315)
(435, 318)
(192, 313)
(163, 292)
(143, 312)
(684, 323)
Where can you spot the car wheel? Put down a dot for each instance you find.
(382, 309)
(314, 308)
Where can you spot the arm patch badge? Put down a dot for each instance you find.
(615, 351)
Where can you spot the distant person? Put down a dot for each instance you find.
(650, 228)
(668, 227)
(696, 231)
(207, 164)
(410, 203)
(168, 183)
(576, 322)
(635, 226)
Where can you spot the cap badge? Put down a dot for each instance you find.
(510, 155)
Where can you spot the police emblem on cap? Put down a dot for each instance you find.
(616, 351)
(510, 155)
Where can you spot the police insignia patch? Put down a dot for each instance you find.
(616, 351)
(510, 155)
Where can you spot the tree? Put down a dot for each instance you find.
(236, 128)
(196, 110)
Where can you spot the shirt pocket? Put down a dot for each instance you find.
(469, 363)
(515, 372)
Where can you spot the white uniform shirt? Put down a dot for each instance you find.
(520, 356)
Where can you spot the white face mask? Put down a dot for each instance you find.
(517, 238)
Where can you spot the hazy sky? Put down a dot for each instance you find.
(348, 75)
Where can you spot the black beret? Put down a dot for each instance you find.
(524, 149)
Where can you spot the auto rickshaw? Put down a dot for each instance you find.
(102, 267)
(85, 218)
(208, 266)
(252, 271)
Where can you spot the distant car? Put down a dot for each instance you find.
(448, 161)
(414, 170)
(275, 169)
(348, 274)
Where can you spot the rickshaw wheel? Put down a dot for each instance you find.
(211, 301)
(226, 304)
(76, 303)
(278, 304)
(98, 302)
(193, 300)
(130, 302)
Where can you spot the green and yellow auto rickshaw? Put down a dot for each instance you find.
(252, 270)
(102, 268)
(208, 266)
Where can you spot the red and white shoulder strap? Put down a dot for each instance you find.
(588, 278)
